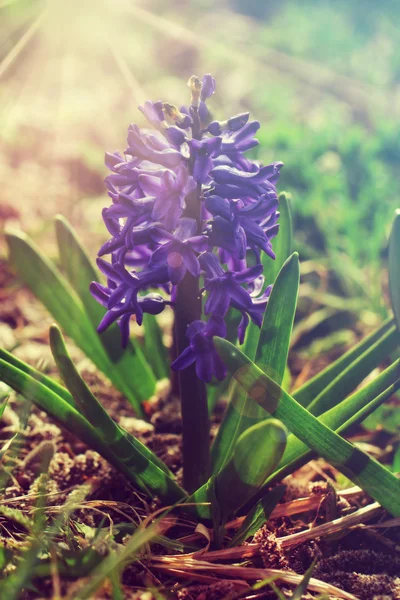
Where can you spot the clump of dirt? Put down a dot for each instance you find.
(365, 573)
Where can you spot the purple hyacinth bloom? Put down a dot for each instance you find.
(237, 226)
(169, 192)
(152, 304)
(202, 154)
(201, 350)
(152, 148)
(187, 204)
(207, 90)
(223, 287)
(232, 124)
(153, 111)
(181, 250)
(241, 140)
(207, 87)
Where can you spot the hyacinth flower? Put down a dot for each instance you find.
(188, 207)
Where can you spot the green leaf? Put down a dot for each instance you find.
(314, 386)
(154, 349)
(365, 471)
(216, 391)
(62, 302)
(386, 417)
(259, 515)
(117, 559)
(47, 381)
(299, 454)
(383, 386)
(3, 407)
(148, 469)
(396, 461)
(301, 589)
(71, 419)
(271, 355)
(257, 452)
(354, 374)
(53, 290)
(394, 267)
(81, 272)
(282, 244)
(54, 405)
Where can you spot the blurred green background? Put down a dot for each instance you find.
(323, 77)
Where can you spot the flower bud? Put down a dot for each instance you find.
(195, 86)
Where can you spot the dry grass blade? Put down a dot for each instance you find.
(181, 565)
(360, 516)
(241, 552)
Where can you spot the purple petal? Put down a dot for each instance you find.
(199, 243)
(195, 328)
(191, 261)
(116, 296)
(184, 360)
(109, 318)
(249, 274)
(216, 326)
(202, 168)
(123, 324)
(204, 366)
(108, 270)
(176, 269)
(213, 300)
(187, 228)
(151, 186)
(99, 292)
(208, 87)
(240, 295)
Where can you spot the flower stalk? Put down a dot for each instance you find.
(193, 391)
(187, 207)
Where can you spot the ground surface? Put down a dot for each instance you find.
(362, 560)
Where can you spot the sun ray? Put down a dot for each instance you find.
(19, 88)
(131, 81)
(6, 3)
(20, 45)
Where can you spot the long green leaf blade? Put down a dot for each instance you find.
(354, 374)
(394, 267)
(47, 381)
(81, 272)
(335, 417)
(135, 455)
(47, 400)
(154, 349)
(271, 356)
(314, 386)
(282, 243)
(50, 286)
(301, 452)
(76, 423)
(52, 289)
(377, 481)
